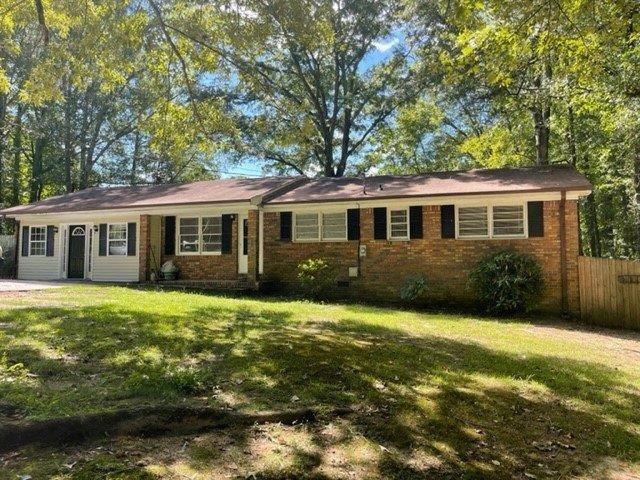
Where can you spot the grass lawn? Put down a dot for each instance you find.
(436, 395)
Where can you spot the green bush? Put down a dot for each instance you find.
(315, 276)
(413, 287)
(507, 282)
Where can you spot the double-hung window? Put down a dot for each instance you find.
(508, 221)
(189, 235)
(117, 239)
(326, 226)
(200, 235)
(398, 224)
(37, 241)
(493, 221)
(211, 234)
(473, 222)
(307, 227)
(334, 226)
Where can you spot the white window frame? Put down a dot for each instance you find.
(490, 235)
(389, 229)
(525, 223)
(346, 226)
(44, 254)
(109, 240)
(320, 235)
(200, 235)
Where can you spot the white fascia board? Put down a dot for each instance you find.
(473, 199)
(115, 214)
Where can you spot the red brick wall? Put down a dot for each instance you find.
(445, 262)
(221, 267)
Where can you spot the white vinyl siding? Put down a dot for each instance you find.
(115, 268)
(39, 267)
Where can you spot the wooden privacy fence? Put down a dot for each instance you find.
(610, 292)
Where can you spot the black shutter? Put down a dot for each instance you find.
(131, 239)
(50, 237)
(25, 241)
(380, 223)
(415, 222)
(353, 224)
(227, 224)
(169, 235)
(285, 226)
(448, 221)
(535, 214)
(102, 241)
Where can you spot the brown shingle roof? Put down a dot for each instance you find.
(102, 198)
(279, 190)
(503, 180)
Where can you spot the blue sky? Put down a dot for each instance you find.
(382, 51)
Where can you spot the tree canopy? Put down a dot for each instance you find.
(147, 91)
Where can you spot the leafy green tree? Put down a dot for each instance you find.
(302, 86)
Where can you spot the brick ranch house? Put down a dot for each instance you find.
(376, 231)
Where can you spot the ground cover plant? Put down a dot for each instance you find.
(435, 395)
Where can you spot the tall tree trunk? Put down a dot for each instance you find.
(35, 190)
(17, 153)
(346, 136)
(68, 146)
(3, 116)
(542, 115)
(136, 159)
(573, 156)
(595, 245)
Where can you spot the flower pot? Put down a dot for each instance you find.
(170, 275)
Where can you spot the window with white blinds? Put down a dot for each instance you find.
(399, 223)
(508, 221)
(306, 226)
(473, 222)
(334, 226)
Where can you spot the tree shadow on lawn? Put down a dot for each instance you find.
(467, 409)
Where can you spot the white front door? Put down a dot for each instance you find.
(243, 246)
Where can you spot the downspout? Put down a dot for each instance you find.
(259, 242)
(16, 255)
(563, 252)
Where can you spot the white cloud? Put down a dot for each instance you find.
(384, 46)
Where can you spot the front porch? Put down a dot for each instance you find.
(212, 249)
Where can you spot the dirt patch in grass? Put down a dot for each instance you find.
(143, 421)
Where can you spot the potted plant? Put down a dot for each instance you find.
(169, 270)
